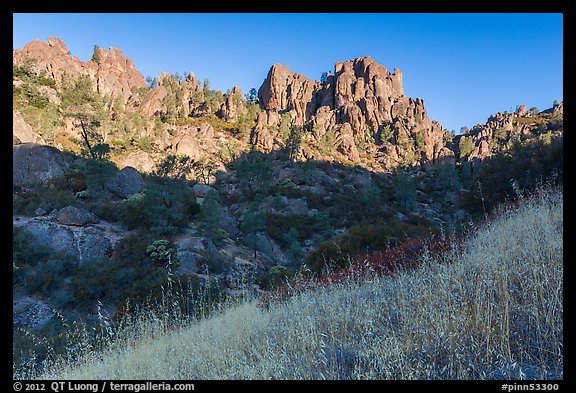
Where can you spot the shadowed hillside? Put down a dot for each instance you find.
(491, 308)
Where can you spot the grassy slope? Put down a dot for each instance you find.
(493, 310)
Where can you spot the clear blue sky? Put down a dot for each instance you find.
(464, 66)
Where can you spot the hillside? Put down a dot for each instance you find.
(125, 185)
(491, 308)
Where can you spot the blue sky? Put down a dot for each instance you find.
(464, 66)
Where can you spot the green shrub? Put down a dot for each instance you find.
(275, 276)
(162, 253)
(49, 198)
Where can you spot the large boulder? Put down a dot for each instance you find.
(34, 163)
(125, 182)
(83, 244)
(139, 160)
(22, 132)
(71, 215)
(193, 252)
(202, 246)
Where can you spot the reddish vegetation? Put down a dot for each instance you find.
(406, 256)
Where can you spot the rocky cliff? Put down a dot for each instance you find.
(110, 71)
(361, 102)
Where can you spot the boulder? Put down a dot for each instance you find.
(32, 163)
(201, 246)
(22, 132)
(186, 144)
(188, 262)
(138, 160)
(125, 182)
(71, 215)
(82, 244)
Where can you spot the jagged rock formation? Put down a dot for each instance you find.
(233, 106)
(504, 128)
(111, 72)
(354, 105)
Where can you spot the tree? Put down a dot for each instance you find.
(204, 170)
(466, 146)
(96, 58)
(101, 150)
(252, 94)
(385, 134)
(293, 245)
(448, 177)
(152, 82)
(284, 126)
(175, 166)
(86, 138)
(405, 190)
(466, 173)
(166, 206)
(162, 252)
(293, 142)
(211, 218)
(254, 223)
(254, 172)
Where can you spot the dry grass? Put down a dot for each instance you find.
(493, 309)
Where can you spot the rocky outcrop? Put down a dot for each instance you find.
(503, 127)
(485, 135)
(153, 103)
(82, 244)
(233, 106)
(558, 109)
(184, 97)
(22, 132)
(353, 105)
(192, 252)
(285, 91)
(260, 135)
(71, 215)
(201, 190)
(32, 163)
(110, 71)
(125, 182)
(52, 59)
(113, 73)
